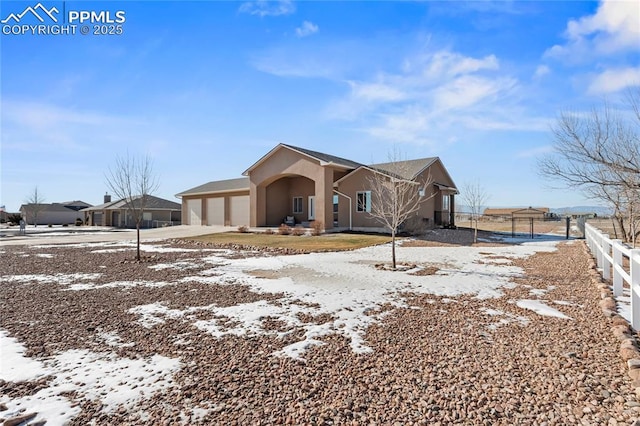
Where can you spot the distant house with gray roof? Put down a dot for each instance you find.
(296, 185)
(157, 213)
(65, 213)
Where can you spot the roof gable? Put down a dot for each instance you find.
(408, 170)
(323, 159)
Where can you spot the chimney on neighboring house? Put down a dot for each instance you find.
(107, 198)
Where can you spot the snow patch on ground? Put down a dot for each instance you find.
(105, 377)
(344, 285)
(624, 304)
(541, 308)
(62, 279)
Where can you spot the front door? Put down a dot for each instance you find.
(312, 207)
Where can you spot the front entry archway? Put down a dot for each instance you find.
(290, 196)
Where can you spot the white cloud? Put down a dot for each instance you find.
(435, 96)
(376, 92)
(541, 71)
(614, 27)
(306, 29)
(614, 80)
(268, 8)
(469, 90)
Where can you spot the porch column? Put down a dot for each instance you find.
(452, 210)
(257, 205)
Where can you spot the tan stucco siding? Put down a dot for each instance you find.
(286, 163)
(356, 182)
(359, 181)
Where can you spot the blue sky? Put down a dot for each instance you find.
(206, 88)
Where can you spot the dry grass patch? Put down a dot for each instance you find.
(328, 242)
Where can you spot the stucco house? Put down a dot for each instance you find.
(157, 213)
(295, 185)
(64, 213)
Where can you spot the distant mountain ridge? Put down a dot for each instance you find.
(560, 211)
(599, 210)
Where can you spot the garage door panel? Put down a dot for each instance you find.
(239, 206)
(194, 212)
(215, 211)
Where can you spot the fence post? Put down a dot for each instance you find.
(617, 260)
(606, 251)
(598, 249)
(634, 260)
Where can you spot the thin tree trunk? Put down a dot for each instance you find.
(138, 233)
(393, 249)
(475, 232)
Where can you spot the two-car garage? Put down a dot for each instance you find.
(224, 203)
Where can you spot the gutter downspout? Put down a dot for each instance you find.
(350, 202)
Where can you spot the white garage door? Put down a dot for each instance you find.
(194, 212)
(215, 211)
(239, 210)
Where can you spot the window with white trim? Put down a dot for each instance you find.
(297, 205)
(363, 201)
(445, 202)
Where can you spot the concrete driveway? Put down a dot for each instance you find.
(77, 235)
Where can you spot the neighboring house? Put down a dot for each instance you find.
(300, 186)
(158, 212)
(53, 214)
(538, 213)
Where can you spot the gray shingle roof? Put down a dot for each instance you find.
(408, 169)
(326, 157)
(56, 207)
(153, 203)
(218, 186)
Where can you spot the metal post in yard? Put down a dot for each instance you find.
(617, 260)
(568, 219)
(531, 227)
(513, 226)
(634, 259)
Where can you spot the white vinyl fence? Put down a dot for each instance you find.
(611, 257)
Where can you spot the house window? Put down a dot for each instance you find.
(421, 192)
(445, 202)
(297, 205)
(363, 201)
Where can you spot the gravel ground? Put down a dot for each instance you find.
(449, 362)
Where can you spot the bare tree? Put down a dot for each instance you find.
(599, 153)
(132, 180)
(34, 205)
(395, 197)
(475, 198)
